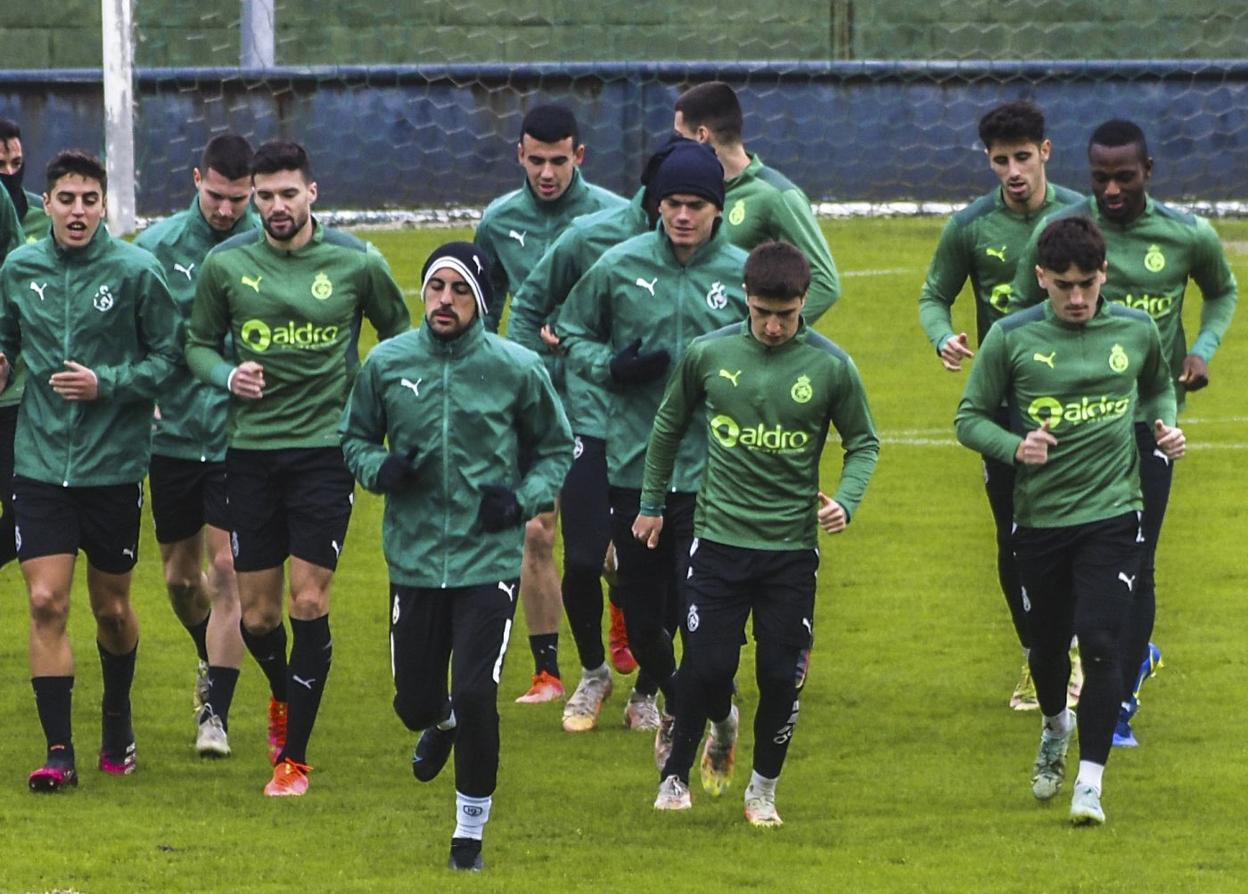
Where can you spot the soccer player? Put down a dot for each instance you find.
(1152, 250)
(515, 231)
(290, 297)
(585, 506)
(99, 334)
(768, 389)
(983, 242)
(1075, 371)
(760, 203)
(628, 319)
(452, 396)
(35, 221)
(10, 238)
(187, 475)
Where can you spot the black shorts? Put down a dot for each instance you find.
(101, 521)
(585, 505)
(727, 583)
(293, 502)
(186, 495)
(8, 430)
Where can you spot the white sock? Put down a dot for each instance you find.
(761, 784)
(600, 672)
(1090, 774)
(471, 815)
(1059, 724)
(448, 723)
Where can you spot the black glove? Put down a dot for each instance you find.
(629, 367)
(397, 471)
(500, 509)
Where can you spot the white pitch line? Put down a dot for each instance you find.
(886, 271)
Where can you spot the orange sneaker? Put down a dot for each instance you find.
(545, 688)
(621, 655)
(277, 730)
(290, 779)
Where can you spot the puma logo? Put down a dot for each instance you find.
(38, 288)
(184, 270)
(476, 260)
(998, 253)
(1129, 581)
(253, 283)
(307, 684)
(648, 286)
(731, 377)
(337, 549)
(509, 589)
(1161, 456)
(415, 386)
(519, 237)
(1047, 360)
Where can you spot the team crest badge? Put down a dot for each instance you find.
(578, 447)
(736, 216)
(103, 299)
(717, 298)
(1154, 260)
(801, 391)
(322, 288)
(691, 620)
(1118, 361)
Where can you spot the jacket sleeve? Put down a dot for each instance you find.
(11, 235)
(210, 324)
(540, 296)
(794, 222)
(946, 275)
(543, 428)
(1155, 384)
(363, 428)
(486, 240)
(1025, 291)
(384, 305)
(684, 394)
(1218, 290)
(986, 388)
(160, 338)
(851, 417)
(10, 324)
(585, 325)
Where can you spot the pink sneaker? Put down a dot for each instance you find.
(118, 764)
(53, 778)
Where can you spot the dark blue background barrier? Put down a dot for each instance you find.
(421, 136)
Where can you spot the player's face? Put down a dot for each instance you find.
(688, 220)
(774, 320)
(76, 205)
(11, 156)
(1020, 168)
(284, 200)
(222, 201)
(449, 303)
(1120, 176)
(1073, 293)
(549, 166)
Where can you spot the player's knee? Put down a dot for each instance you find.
(110, 615)
(183, 591)
(310, 602)
(710, 663)
(49, 607)
(260, 620)
(1098, 648)
(779, 670)
(475, 702)
(222, 563)
(419, 710)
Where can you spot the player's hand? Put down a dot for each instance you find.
(832, 516)
(500, 509)
(247, 381)
(954, 351)
(4, 372)
(631, 367)
(647, 528)
(1033, 450)
(397, 471)
(77, 383)
(1195, 373)
(1170, 441)
(550, 340)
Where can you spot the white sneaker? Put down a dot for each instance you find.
(1050, 766)
(212, 740)
(580, 714)
(663, 739)
(673, 795)
(760, 808)
(1085, 806)
(200, 698)
(641, 712)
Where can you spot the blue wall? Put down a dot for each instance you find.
(419, 136)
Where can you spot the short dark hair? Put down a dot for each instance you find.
(281, 155)
(229, 155)
(9, 130)
(777, 270)
(1071, 241)
(1118, 132)
(713, 105)
(76, 161)
(550, 124)
(1014, 122)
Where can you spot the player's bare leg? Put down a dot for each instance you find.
(541, 596)
(264, 635)
(188, 597)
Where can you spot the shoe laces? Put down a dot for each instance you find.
(290, 767)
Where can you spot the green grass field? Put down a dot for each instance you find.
(908, 772)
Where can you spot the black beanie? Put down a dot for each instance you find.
(690, 168)
(661, 152)
(468, 261)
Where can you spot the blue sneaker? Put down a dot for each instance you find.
(1123, 735)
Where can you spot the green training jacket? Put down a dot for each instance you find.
(106, 306)
(518, 227)
(1085, 380)
(35, 222)
(766, 411)
(470, 405)
(10, 239)
(298, 315)
(192, 413)
(640, 290)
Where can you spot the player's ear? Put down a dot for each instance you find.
(1046, 150)
(578, 155)
(1040, 277)
(311, 192)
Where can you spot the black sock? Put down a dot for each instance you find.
(545, 647)
(310, 656)
(269, 650)
(221, 682)
(118, 672)
(53, 700)
(199, 633)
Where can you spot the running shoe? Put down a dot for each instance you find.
(617, 643)
(466, 855)
(53, 777)
(663, 739)
(1024, 697)
(673, 795)
(212, 740)
(719, 755)
(641, 712)
(1085, 806)
(431, 751)
(546, 688)
(580, 714)
(290, 780)
(760, 808)
(1050, 766)
(119, 761)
